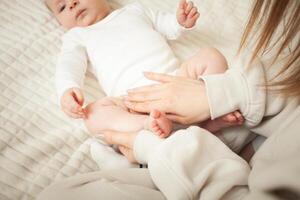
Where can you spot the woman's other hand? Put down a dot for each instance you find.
(184, 100)
(124, 141)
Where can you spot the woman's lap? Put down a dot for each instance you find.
(125, 184)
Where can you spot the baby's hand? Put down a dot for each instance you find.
(187, 14)
(71, 103)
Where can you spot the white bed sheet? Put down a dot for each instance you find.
(38, 143)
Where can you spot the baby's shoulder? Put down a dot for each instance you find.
(73, 34)
(135, 6)
(73, 31)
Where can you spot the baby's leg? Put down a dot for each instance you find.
(206, 61)
(210, 61)
(111, 114)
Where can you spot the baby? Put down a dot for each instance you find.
(121, 45)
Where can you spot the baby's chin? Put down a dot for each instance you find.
(87, 21)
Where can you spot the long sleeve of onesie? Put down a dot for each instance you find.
(71, 63)
(164, 22)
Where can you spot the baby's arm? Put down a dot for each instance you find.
(170, 25)
(70, 72)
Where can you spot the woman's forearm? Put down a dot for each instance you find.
(237, 89)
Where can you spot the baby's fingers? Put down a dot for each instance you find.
(182, 4)
(193, 12)
(190, 22)
(77, 109)
(72, 115)
(73, 109)
(189, 7)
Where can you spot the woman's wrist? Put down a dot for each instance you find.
(144, 144)
(206, 111)
(224, 92)
(207, 106)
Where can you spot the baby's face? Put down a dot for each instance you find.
(72, 13)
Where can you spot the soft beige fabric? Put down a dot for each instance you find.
(126, 184)
(38, 143)
(214, 173)
(193, 163)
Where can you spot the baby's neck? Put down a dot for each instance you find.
(104, 15)
(101, 16)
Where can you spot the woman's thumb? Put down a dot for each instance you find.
(119, 138)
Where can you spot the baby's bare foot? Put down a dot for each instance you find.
(232, 119)
(159, 124)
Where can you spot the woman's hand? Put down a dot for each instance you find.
(184, 100)
(124, 141)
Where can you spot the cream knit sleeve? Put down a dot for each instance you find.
(191, 164)
(71, 63)
(240, 88)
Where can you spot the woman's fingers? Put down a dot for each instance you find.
(138, 106)
(146, 107)
(124, 141)
(145, 88)
(160, 77)
(120, 138)
(163, 78)
(177, 118)
(142, 96)
(128, 153)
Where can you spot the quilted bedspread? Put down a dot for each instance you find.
(38, 143)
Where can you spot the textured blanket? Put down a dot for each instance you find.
(38, 143)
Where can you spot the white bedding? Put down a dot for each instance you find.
(38, 143)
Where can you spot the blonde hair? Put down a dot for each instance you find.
(266, 17)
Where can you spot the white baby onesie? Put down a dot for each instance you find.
(120, 47)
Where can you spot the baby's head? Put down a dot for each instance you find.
(73, 13)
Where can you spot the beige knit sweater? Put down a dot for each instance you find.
(194, 164)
